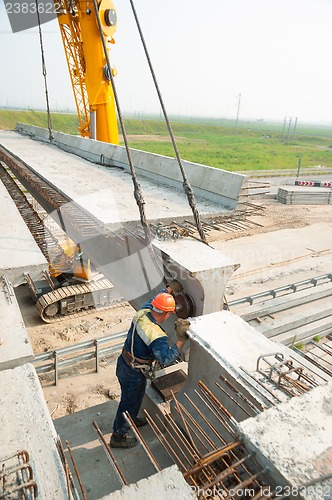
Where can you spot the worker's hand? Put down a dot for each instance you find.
(175, 286)
(181, 328)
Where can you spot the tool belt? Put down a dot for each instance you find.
(129, 359)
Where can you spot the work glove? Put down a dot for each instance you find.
(181, 328)
(175, 285)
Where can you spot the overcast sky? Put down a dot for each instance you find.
(275, 53)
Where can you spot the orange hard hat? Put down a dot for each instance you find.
(163, 302)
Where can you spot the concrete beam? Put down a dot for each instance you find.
(136, 270)
(295, 319)
(305, 333)
(27, 425)
(203, 271)
(220, 344)
(284, 302)
(216, 185)
(15, 348)
(295, 441)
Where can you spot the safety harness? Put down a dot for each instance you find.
(147, 369)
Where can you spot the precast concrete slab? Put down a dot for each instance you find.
(127, 262)
(294, 440)
(19, 252)
(216, 185)
(260, 254)
(107, 191)
(27, 425)
(203, 271)
(298, 195)
(15, 347)
(223, 344)
(168, 483)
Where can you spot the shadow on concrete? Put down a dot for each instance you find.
(97, 473)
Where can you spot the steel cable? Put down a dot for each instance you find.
(186, 184)
(49, 121)
(137, 188)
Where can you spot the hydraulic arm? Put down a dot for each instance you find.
(87, 65)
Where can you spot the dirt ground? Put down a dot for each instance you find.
(82, 388)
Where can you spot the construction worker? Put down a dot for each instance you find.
(146, 342)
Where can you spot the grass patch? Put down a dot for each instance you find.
(256, 146)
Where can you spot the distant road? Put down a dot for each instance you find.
(304, 172)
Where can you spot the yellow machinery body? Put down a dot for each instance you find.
(81, 266)
(87, 65)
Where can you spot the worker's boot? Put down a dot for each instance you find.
(122, 441)
(140, 422)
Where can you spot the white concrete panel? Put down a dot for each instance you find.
(19, 252)
(15, 348)
(203, 271)
(166, 484)
(216, 185)
(301, 449)
(26, 425)
(222, 343)
(106, 192)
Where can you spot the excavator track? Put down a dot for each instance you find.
(77, 300)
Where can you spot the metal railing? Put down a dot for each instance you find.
(287, 289)
(84, 351)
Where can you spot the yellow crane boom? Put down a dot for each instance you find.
(87, 65)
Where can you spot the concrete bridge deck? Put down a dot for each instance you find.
(107, 191)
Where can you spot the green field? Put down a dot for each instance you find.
(256, 145)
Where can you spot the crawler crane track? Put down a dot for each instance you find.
(77, 300)
(74, 300)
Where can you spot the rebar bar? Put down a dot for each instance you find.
(225, 473)
(205, 419)
(76, 471)
(184, 422)
(203, 433)
(186, 444)
(314, 362)
(138, 435)
(214, 410)
(176, 443)
(246, 482)
(255, 382)
(211, 457)
(69, 477)
(110, 455)
(239, 394)
(157, 432)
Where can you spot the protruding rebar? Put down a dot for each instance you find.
(110, 455)
(138, 435)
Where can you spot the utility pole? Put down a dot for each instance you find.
(295, 127)
(289, 126)
(238, 112)
(298, 166)
(283, 129)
